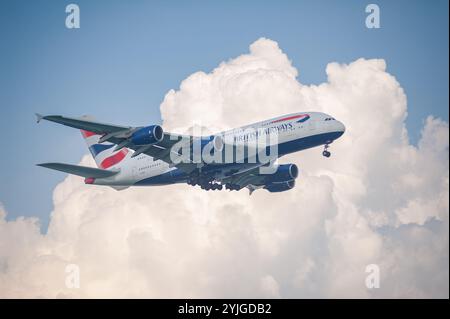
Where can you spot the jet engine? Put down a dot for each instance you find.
(218, 143)
(212, 143)
(147, 135)
(285, 172)
(280, 187)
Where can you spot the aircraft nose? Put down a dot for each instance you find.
(341, 126)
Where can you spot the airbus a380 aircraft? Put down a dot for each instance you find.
(144, 156)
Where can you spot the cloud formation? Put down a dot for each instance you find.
(377, 200)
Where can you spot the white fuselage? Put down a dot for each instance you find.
(294, 132)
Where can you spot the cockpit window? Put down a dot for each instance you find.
(330, 119)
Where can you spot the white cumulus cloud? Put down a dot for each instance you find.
(378, 200)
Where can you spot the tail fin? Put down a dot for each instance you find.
(103, 153)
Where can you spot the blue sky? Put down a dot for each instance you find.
(125, 57)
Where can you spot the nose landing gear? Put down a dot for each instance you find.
(325, 152)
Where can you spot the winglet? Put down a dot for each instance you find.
(39, 117)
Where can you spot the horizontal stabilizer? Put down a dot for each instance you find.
(79, 170)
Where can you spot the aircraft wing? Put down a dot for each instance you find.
(83, 124)
(250, 177)
(119, 135)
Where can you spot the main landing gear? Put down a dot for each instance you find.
(206, 184)
(325, 152)
(232, 187)
(210, 184)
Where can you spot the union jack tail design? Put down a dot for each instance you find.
(103, 153)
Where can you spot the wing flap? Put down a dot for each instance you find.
(246, 178)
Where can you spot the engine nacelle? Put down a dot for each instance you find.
(218, 143)
(280, 187)
(284, 173)
(147, 135)
(215, 143)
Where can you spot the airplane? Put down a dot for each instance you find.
(148, 156)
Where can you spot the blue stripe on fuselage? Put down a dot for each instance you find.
(307, 142)
(174, 176)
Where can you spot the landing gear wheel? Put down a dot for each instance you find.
(325, 152)
(231, 187)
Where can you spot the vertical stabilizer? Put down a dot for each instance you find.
(103, 153)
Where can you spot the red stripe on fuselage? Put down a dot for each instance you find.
(289, 118)
(114, 159)
(86, 134)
